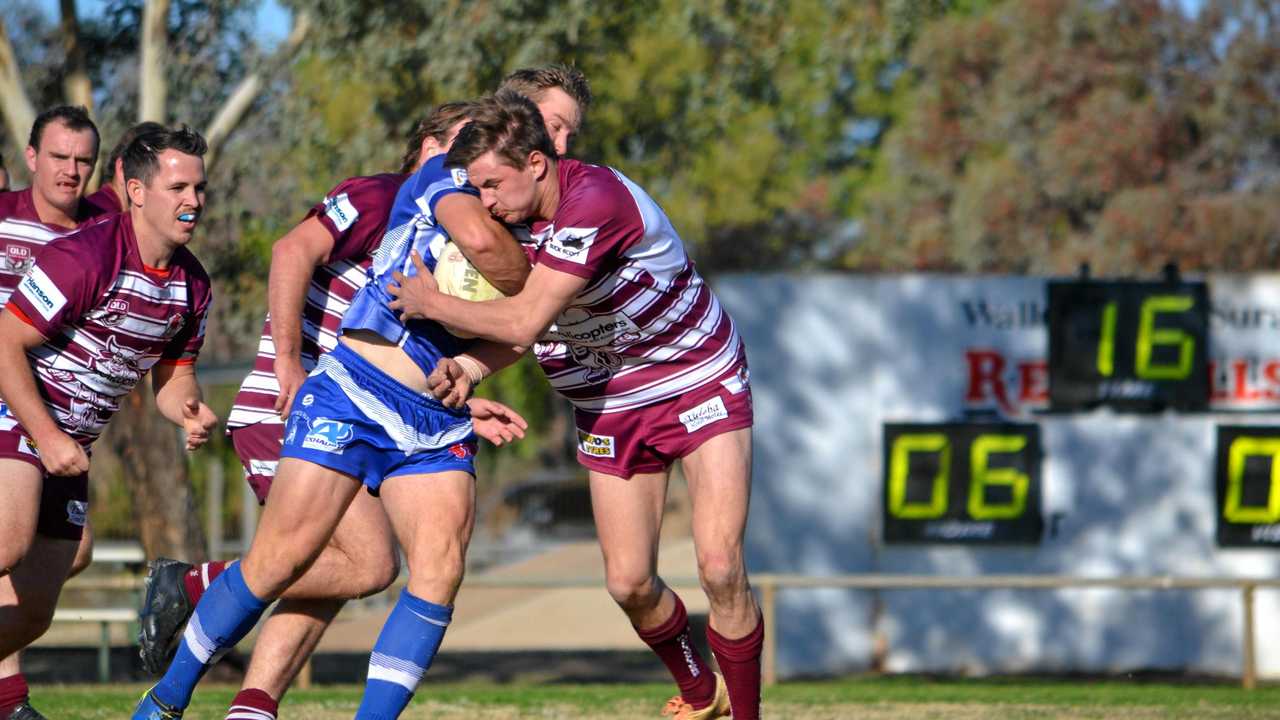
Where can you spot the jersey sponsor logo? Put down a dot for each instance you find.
(572, 244)
(42, 293)
(328, 435)
(578, 328)
(28, 446)
(459, 176)
(601, 446)
(77, 510)
(462, 450)
(263, 468)
(341, 211)
(704, 414)
(308, 399)
(173, 326)
(18, 258)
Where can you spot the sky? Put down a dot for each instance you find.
(271, 17)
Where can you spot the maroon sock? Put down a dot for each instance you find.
(739, 662)
(13, 692)
(197, 579)
(253, 704)
(672, 643)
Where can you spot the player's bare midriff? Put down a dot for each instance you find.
(387, 357)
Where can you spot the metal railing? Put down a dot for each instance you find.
(768, 585)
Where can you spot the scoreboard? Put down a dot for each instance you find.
(1129, 345)
(962, 482)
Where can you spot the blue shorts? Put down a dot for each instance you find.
(351, 417)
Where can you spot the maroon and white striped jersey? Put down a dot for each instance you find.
(22, 236)
(646, 327)
(107, 319)
(355, 213)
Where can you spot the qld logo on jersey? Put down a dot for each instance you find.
(18, 258)
(114, 313)
(328, 435)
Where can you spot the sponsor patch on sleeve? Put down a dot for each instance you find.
(43, 294)
(704, 414)
(572, 244)
(601, 446)
(341, 211)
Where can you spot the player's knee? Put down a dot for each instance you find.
(32, 619)
(721, 573)
(632, 589)
(377, 574)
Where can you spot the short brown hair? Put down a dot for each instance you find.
(533, 82)
(146, 126)
(75, 117)
(436, 124)
(141, 155)
(509, 124)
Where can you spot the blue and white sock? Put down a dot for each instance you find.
(226, 613)
(405, 648)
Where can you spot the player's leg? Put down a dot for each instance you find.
(628, 517)
(36, 551)
(359, 560)
(84, 551)
(432, 515)
(719, 477)
(306, 503)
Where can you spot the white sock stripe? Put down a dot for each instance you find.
(394, 663)
(244, 712)
(403, 679)
(197, 642)
(433, 621)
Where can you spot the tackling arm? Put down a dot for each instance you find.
(485, 242)
(294, 259)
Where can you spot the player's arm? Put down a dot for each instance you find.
(180, 401)
(59, 452)
(517, 320)
(485, 241)
(294, 259)
(453, 379)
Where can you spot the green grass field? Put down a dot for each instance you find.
(898, 698)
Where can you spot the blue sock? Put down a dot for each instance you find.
(405, 648)
(226, 613)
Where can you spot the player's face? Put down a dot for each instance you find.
(508, 193)
(172, 202)
(562, 116)
(61, 168)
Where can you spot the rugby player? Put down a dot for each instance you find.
(625, 328)
(363, 417)
(110, 195)
(63, 146)
(316, 269)
(93, 314)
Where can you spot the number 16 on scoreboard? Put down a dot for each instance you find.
(1130, 345)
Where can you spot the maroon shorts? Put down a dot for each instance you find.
(651, 438)
(258, 446)
(64, 500)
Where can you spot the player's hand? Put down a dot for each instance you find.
(449, 383)
(62, 455)
(496, 422)
(414, 295)
(197, 422)
(290, 375)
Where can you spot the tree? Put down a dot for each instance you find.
(1038, 135)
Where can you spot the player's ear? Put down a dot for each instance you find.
(133, 187)
(30, 155)
(537, 164)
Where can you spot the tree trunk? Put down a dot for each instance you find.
(76, 86)
(152, 90)
(238, 102)
(14, 103)
(155, 468)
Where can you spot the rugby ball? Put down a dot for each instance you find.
(456, 276)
